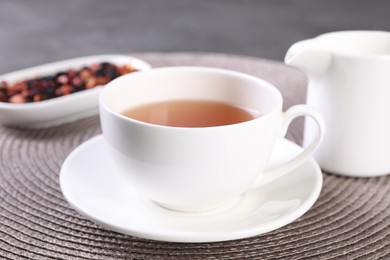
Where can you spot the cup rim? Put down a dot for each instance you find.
(260, 81)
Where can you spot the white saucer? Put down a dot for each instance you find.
(92, 186)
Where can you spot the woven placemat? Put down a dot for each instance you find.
(350, 220)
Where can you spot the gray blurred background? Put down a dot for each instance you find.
(34, 32)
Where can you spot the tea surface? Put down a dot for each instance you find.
(190, 113)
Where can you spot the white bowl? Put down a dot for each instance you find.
(63, 109)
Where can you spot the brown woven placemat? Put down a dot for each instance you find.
(350, 220)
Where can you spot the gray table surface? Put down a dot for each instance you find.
(34, 32)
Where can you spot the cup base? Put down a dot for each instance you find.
(218, 207)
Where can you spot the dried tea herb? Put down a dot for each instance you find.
(62, 83)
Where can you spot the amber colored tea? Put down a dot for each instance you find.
(190, 113)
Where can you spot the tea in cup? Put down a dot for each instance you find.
(196, 138)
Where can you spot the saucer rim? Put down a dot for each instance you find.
(203, 236)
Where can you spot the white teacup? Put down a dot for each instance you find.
(196, 169)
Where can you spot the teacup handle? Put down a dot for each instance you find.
(288, 116)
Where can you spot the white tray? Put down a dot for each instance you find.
(63, 109)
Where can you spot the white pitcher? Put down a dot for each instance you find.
(349, 83)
